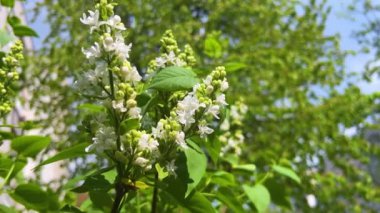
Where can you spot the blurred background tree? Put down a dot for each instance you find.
(289, 73)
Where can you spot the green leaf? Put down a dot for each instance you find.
(72, 152)
(161, 173)
(287, 172)
(8, 3)
(229, 198)
(223, 178)
(6, 165)
(249, 168)
(191, 166)
(173, 79)
(212, 48)
(5, 38)
(70, 208)
(259, 196)
(23, 30)
(14, 20)
(33, 197)
(198, 203)
(91, 107)
(29, 145)
(234, 66)
(93, 183)
(6, 209)
(129, 124)
(101, 199)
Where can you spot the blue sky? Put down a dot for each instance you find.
(337, 23)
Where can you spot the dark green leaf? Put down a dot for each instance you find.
(72, 152)
(8, 3)
(259, 196)
(23, 30)
(13, 20)
(101, 199)
(173, 79)
(129, 124)
(287, 172)
(229, 198)
(70, 208)
(33, 197)
(198, 203)
(29, 145)
(93, 183)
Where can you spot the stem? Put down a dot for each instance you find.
(120, 192)
(155, 194)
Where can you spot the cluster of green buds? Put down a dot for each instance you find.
(9, 75)
(171, 54)
(232, 137)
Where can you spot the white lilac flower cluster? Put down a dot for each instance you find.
(171, 55)
(232, 137)
(115, 82)
(8, 75)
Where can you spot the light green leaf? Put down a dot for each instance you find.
(287, 172)
(213, 48)
(91, 107)
(29, 145)
(93, 183)
(259, 195)
(173, 79)
(223, 178)
(6, 209)
(234, 66)
(72, 152)
(5, 38)
(245, 168)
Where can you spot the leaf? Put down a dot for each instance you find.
(29, 145)
(70, 208)
(223, 178)
(229, 198)
(14, 20)
(33, 197)
(161, 173)
(6, 209)
(173, 79)
(5, 38)
(129, 124)
(249, 168)
(101, 199)
(198, 203)
(6, 165)
(212, 48)
(72, 152)
(259, 196)
(8, 3)
(234, 66)
(91, 107)
(191, 166)
(93, 183)
(23, 30)
(287, 172)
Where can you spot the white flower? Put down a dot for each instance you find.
(224, 85)
(119, 105)
(160, 62)
(180, 140)
(213, 110)
(130, 74)
(171, 167)
(225, 125)
(178, 62)
(105, 139)
(115, 22)
(311, 200)
(147, 143)
(109, 44)
(171, 57)
(204, 130)
(92, 52)
(221, 100)
(142, 162)
(187, 108)
(158, 131)
(208, 80)
(134, 112)
(121, 49)
(235, 113)
(91, 20)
